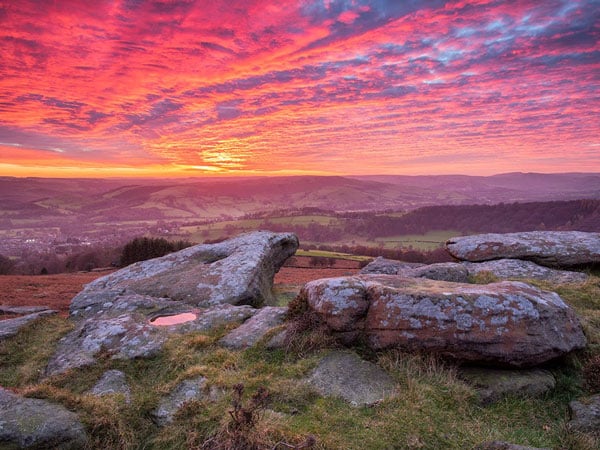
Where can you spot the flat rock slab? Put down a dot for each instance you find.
(7, 309)
(441, 271)
(516, 268)
(131, 334)
(184, 392)
(548, 248)
(11, 327)
(112, 382)
(28, 422)
(585, 415)
(251, 331)
(344, 374)
(494, 384)
(508, 323)
(238, 271)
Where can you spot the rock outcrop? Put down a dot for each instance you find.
(359, 382)
(463, 271)
(516, 268)
(131, 313)
(132, 335)
(440, 271)
(506, 323)
(238, 271)
(11, 327)
(548, 248)
(35, 423)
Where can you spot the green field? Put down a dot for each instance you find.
(427, 241)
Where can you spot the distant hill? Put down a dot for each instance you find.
(164, 199)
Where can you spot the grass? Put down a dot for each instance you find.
(432, 408)
(335, 255)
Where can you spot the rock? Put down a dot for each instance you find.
(499, 445)
(516, 268)
(508, 323)
(200, 286)
(440, 271)
(345, 375)
(11, 327)
(132, 335)
(493, 384)
(184, 392)
(28, 422)
(7, 309)
(585, 415)
(251, 331)
(112, 382)
(385, 266)
(548, 248)
(238, 271)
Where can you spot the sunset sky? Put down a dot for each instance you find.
(265, 87)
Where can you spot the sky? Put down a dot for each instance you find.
(332, 87)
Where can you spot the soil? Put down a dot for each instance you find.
(53, 291)
(56, 291)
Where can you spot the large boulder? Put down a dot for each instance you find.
(238, 271)
(35, 423)
(548, 248)
(506, 323)
(132, 312)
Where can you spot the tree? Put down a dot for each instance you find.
(141, 249)
(6, 265)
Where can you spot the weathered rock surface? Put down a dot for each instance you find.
(548, 248)
(238, 271)
(11, 327)
(34, 423)
(440, 271)
(251, 331)
(211, 285)
(507, 323)
(344, 374)
(184, 392)
(381, 265)
(500, 445)
(112, 382)
(516, 268)
(132, 335)
(585, 415)
(494, 384)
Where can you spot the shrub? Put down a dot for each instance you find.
(6, 265)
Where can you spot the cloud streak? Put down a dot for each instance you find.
(324, 86)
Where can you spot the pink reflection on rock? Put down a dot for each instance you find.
(174, 319)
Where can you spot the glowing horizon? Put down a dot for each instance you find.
(323, 87)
